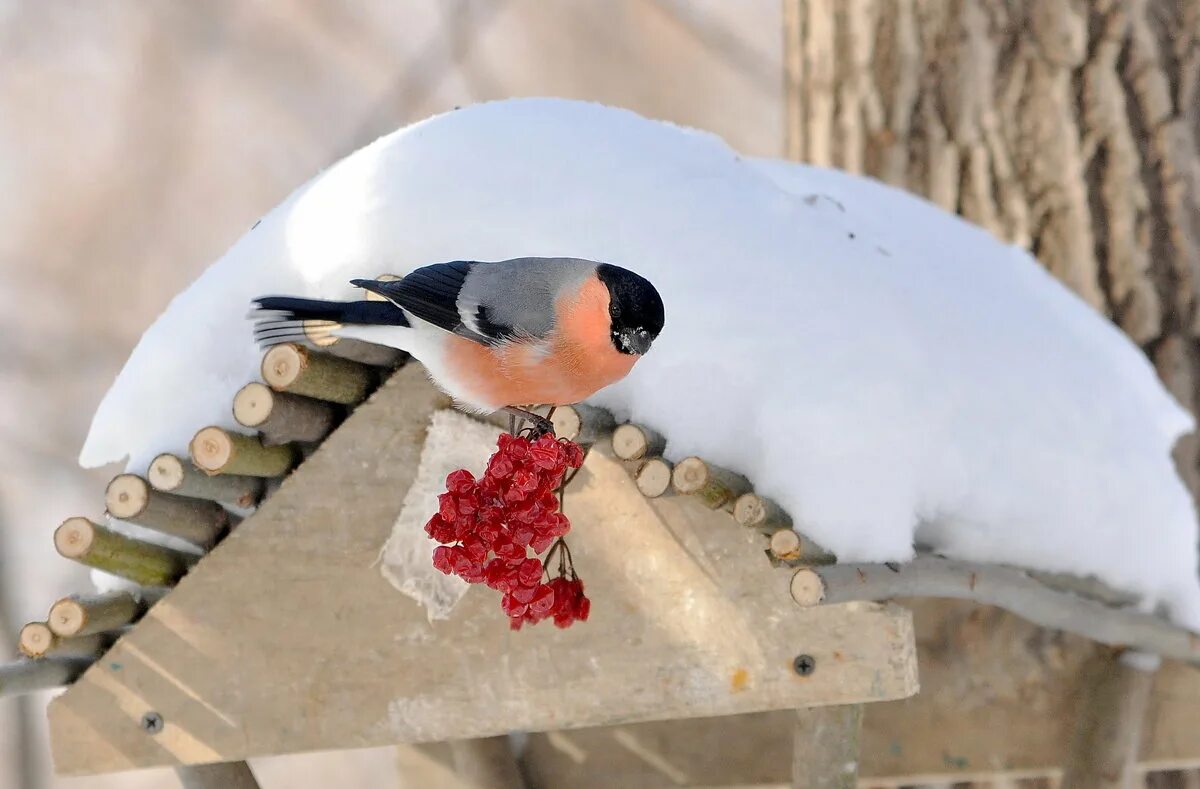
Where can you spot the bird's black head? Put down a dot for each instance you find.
(635, 308)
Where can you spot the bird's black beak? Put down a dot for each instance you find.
(635, 341)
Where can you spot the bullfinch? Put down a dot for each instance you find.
(493, 335)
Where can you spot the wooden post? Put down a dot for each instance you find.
(281, 417)
(199, 521)
(173, 474)
(487, 763)
(295, 369)
(224, 775)
(141, 562)
(218, 451)
(825, 747)
(27, 676)
(1114, 693)
(82, 615)
(715, 486)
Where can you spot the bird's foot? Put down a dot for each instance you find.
(539, 425)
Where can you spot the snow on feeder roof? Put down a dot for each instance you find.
(885, 371)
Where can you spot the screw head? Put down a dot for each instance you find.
(804, 665)
(152, 723)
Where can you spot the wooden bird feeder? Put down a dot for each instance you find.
(714, 619)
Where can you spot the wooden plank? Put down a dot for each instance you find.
(998, 697)
(287, 637)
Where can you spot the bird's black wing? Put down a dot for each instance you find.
(433, 293)
(429, 293)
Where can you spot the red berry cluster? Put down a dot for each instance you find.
(488, 527)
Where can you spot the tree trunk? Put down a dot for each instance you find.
(1069, 128)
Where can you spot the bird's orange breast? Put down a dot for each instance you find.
(576, 360)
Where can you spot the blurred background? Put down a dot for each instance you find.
(140, 138)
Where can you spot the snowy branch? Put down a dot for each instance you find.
(1005, 587)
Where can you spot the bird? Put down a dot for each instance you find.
(493, 335)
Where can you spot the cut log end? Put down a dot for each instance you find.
(295, 369)
(212, 449)
(74, 538)
(786, 545)
(166, 472)
(634, 442)
(320, 333)
(126, 496)
(36, 639)
(252, 404)
(714, 486)
(143, 563)
(172, 474)
(758, 512)
(218, 451)
(583, 424)
(807, 588)
(653, 477)
(85, 614)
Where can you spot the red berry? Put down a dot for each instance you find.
(441, 559)
(543, 600)
(439, 529)
(460, 482)
(508, 550)
(475, 548)
(513, 607)
(529, 572)
(446, 507)
(582, 608)
(500, 467)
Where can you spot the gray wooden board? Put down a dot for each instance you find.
(287, 638)
(998, 698)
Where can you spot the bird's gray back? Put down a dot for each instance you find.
(518, 295)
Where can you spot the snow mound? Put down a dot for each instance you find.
(886, 371)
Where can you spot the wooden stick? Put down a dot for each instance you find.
(83, 615)
(653, 477)
(28, 676)
(37, 640)
(297, 370)
(583, 424)
(715, 486)
(218, 451)
(130, 498)
(281, 417)
(173, 474)
(223, 775)
(1004, 587)
(1108, 729)
(825, 747)
(758, 512)
(787, 546)
(141, 562)
(368, 353)
(634, 442)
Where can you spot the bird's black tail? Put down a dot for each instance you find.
(280, 319)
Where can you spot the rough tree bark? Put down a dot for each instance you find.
(1070, 128)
